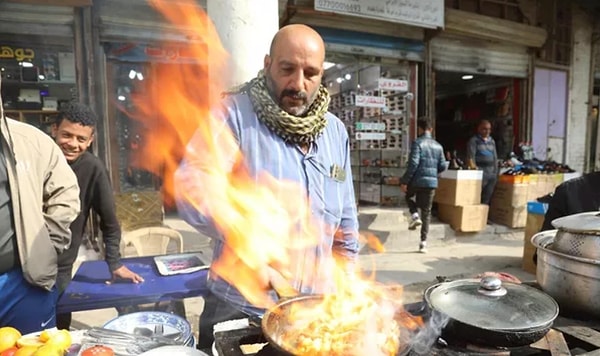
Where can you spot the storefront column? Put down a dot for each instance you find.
(579, 91)
(246, 29)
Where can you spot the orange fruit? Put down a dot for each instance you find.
(60, 339)
(9, 352)
(8, 337)
(26, 351)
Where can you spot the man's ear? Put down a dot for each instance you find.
(54, 130)
(266, 62)
(91, 140)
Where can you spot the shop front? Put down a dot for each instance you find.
(375, 97)
(37, 61)
(475, 81)
(137, 43)
(482, 71)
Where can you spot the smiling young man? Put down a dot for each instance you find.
(74, 133)
(281, 122)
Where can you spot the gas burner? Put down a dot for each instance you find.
(234, 342)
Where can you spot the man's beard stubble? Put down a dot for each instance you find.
(299, 111)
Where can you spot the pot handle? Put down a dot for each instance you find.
(491, 287)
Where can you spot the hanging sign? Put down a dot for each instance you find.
(422, 13)
(393, 84)
(377, 136)
(374, 126)
(19, 54)
(369, 101)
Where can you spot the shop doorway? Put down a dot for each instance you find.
(462, 100)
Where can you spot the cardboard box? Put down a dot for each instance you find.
(510, 195)
(569, 176)
(469, 218)
(513, 217)
(462, 174)
(459, 188)
(533, 225)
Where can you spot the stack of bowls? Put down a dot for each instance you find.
(170, 324)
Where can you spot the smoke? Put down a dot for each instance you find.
(428, 335)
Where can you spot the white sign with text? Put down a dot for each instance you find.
(369, 101)
(422, 13)
(378, 136)
(393, 84)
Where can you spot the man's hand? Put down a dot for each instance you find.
(404, 188)
(125, 273)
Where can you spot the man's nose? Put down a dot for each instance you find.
(297, 81)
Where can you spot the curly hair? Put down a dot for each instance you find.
(77, 113)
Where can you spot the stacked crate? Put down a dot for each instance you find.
(458, 196)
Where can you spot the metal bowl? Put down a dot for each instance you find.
(574, 282)
(171, 324)
(578, 235)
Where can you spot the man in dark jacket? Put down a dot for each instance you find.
(74, 133)
(578, 195)
(421, 178)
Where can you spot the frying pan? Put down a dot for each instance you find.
(473, 330)
(276, 325)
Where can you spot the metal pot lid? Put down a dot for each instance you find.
(583, 223)
(491, 304)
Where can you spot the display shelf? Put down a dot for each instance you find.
(382, 125)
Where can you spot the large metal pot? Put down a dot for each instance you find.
(578, 235)
(488, 311)
(277, 327)
(573, 281)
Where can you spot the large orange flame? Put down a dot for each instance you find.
(255, 217)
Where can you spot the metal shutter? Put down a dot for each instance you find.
(37, 20)
(466, 55)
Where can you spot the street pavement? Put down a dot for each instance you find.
(450, 255)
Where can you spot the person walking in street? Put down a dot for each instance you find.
(481, 154)
(425, 163)
(39, 198)
(73, 131)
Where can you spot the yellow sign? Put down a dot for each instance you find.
(20, 54)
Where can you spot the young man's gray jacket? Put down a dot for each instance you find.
(44, 196)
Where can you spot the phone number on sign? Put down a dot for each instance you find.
(337, 6)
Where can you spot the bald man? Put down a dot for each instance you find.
(481, 154)
(283, 128)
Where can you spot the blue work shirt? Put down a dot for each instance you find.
(332, 201)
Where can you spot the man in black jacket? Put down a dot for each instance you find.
(578, 195)
(420, 180)
(74, 133)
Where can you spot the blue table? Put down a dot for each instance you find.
(88, 289)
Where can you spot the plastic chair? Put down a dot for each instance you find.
(151, 241)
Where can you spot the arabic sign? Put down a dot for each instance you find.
(375, 126)
(132, 52)
(370, 101)
(378, 136)
(393, 84)
(422, 13)
(19, 54)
